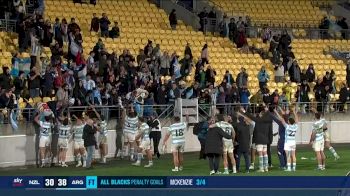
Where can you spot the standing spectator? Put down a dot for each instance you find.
(5, 78)
(95, 23)
(48, 82)
(173, 19)
(240, 22)
(342, 23)
(203, 15)
(212, 13)
(165, 64)
(244, 97)
(263, 77)
(294, 72)
(115, 32)
(320, 94)
(223, 26)
(205, 54)
(210, 75)
(242, 78)
(310, 73)
(35, 49)
(186, 66)
(89, 141)
(228, 78)
(188, 51)
(241, 38)
(328, 80)
(173, 93)
(104, 25)
(73, 26)
(232, 28)
(302, 96)
(343, 97)
(57, 31)
(279, 73)
(34, 83)
(64, 29)
(19, 84)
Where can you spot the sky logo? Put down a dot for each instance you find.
(17, 182)
(91, 182)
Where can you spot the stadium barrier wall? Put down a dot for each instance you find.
(19, 150)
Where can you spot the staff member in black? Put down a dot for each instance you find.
(89, 140)
(243, 134)
(214, 146)
(262, 135)
(156, 134)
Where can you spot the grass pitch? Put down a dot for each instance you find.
(306, 165)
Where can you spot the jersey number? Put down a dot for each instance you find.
(179, 132)
(292, 133)
(45, 130)
(63, 132)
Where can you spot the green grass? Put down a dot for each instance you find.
(193, 167)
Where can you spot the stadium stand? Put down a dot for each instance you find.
(276, 13)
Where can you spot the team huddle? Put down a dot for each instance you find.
(247, 135)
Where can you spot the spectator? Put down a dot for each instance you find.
(173, 93)
(266, 95)
(342, 23)
(62, 96)
(173, 19)
(212, 13)
(200, 77)
(241, 38)
(240, 22)
(89, 141)
(228, 78)
(49, 78)
(205, 54)
(302, 96)
(283, 100)
(224, 26)
(294, 72)
(104, 25)
(164, 64)
(328, 80)
(114, 32)
(186, 66)
(203, 15)
(320, 94)
(279, 73)
(188, 51)
(242, 78)
(263, 77)
(95, 23)
(72, 26)
(64, 29)
(232, 28)
(244, 97)
(34, 83)
(310, 72)
(57, 31)
(19, 84)
(35, 49)
(5, 78)
(266, 35)
(343, 97)
(210, 75)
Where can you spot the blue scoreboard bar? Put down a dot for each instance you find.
(174, 182)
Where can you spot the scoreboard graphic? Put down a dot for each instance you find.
(174, 182)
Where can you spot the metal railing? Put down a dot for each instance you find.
(206, 110)
(24, 118)
(8, 25)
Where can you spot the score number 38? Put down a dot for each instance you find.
(50, 182)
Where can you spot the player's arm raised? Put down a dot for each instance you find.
(280, 117)
(296, 117)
